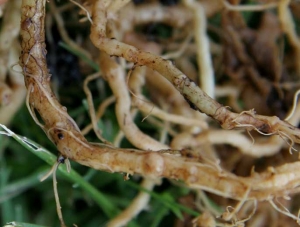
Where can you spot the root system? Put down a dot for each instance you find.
(219, 92)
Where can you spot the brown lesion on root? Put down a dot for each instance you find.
(192, 105)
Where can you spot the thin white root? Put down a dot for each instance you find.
(61, 28)
(52, 172)
(143, 105)
(100, 112)
(58, 206)
(206, 72)
(180, 51)
(115, 76)
(261, 148)
(252, 8)
(32, 113)
(288, 26)
(293, 107)
(84, 9)
(285, 211)
(137, 205)
(228, 215)
(91, 106)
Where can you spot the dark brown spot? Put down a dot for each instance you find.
(60, 135)
(26, 23)
(265, 128)
(192, 105)
(61, 159)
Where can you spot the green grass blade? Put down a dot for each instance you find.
(13, 189)
(21, 224)
(6, 206)
(161, 213)
(87, 177)
(108, 208)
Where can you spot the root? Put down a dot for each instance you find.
(152, 159)
(91, 105)
(206, 73)
(62, 131)
(137, 205)
(115, 77)
(60, 160)
(12, 89)
(288, 26)
(287, 118)
(249, 7)
(9, 32)
(192, 93)
(63, 32)
(31, 111)
(284, 211)
(84, 9)
(145, 106)
(228, 215)
(100, 113)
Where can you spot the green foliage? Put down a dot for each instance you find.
(21, 224)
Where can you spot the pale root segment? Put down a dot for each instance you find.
(64, 133)
(197, 99)
(12, 90)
